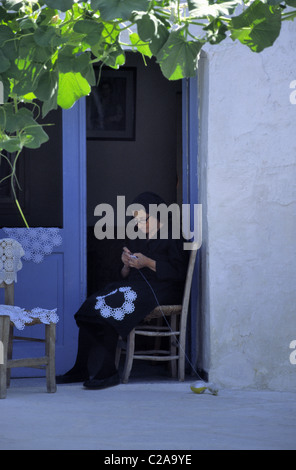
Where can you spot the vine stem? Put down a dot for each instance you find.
(13, 175)
(289, 16)
(21, 212)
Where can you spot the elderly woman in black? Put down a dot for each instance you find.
(152, 268)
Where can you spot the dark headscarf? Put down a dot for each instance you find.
(147, 198)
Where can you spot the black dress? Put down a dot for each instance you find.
(124, 304)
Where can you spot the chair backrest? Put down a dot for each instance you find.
(187, 288)
(8, 293)
(11, 252)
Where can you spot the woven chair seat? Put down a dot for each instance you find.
(167, 310)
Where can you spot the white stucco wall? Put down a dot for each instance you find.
(248, 167)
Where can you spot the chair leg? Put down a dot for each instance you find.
(50, 339)
(173, 347)
(130, 349)
(181, 360)
(9, 352)
(157, 341)
(4, 338)
(118, 352)
(181, 369)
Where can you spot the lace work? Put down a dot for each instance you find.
(10, 260)
(118, 313)
(36, 242)
(21, 317)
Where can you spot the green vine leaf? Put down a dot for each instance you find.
(4, 63)
(62, 5)
(68, 61)
(140, 45)
(14, 5)
(113, 9)
(47, 86)
(72, 86)
(5, 34)
(178, 57)
(11, 144)
(16, 121)
(158, 41)
(35, 136)
(91, 30)
(258, 26)
(115, 60)
(147, 25)
(50, 104)
(47, 35)
(216, 31)
(110, 33)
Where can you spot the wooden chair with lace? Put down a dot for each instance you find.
(7, 280)
(174, 329)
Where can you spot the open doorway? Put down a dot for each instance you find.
(143, 153)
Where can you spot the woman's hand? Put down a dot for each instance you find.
(139, 261)
(125, 258)
(136, 260)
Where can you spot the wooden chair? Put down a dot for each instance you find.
(174, 329)
(6, 344)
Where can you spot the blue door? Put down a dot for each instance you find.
(60, 279)
(190, 139)
(57, 279)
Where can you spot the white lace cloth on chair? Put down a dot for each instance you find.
(20, 317)
(10, 260)
(36, 242)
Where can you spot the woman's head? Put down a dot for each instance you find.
(147, 223)
(148, 198)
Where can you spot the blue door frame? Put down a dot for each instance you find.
(190, 139)
(190, 136)
(62, 278)
(74, 236)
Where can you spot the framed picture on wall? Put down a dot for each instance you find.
(111, 105)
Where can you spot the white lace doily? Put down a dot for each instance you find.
(10, 260)
(20, 317)
(36, 242)
(118, 313)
